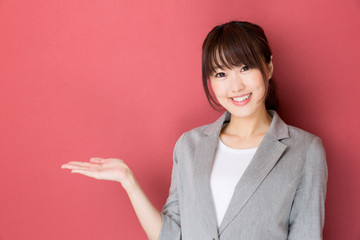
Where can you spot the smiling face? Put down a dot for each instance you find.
(237, 61)
(240, 90)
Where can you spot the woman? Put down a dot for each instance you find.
(246, 176)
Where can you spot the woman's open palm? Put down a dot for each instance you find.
(100, 168)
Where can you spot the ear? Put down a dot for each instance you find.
(270, 68)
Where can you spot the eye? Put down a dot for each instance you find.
(220, 75)
(245, 68)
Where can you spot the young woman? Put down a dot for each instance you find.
(246, 176)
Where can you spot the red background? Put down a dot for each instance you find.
(123, 79)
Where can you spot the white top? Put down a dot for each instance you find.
(229, 165)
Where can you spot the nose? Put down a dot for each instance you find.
(237, 83)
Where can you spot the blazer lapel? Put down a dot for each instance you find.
(266, 156)
(203, 161)
(268, 153)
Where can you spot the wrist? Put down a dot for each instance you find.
(129, 183)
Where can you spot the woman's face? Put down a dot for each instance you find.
(240, 90)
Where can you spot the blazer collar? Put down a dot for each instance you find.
(268, 153)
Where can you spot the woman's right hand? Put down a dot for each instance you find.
(116, 170)
(103, 168)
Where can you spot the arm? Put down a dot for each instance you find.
(171, 225)
(307, 214)
(165, 225)
(116, 170)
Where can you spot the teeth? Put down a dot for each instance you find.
(240, 99)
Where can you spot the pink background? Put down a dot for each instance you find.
(123, 79)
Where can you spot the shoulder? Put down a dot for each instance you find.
(299, 142)
(197, 132)
(188, 141)
(304, 154)
(193, 136)
(307, 146)
(287, 133)
(300, 137)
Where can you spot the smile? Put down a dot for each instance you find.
(240, 99)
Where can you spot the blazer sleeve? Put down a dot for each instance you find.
(308, 210)
(171, 225)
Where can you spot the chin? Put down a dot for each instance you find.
(244, 112)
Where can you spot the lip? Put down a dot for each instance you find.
(242, 103)
(240, 95)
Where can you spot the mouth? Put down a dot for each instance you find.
(243, 98)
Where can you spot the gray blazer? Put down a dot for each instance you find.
(281, 194)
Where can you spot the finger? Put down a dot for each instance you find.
(84, 167)
(85, 172)
(98, 160)
(83, 164)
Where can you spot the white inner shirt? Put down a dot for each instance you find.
(228, 167)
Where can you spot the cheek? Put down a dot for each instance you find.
(218, 89)
(255, 81)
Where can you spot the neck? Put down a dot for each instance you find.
(247, 127)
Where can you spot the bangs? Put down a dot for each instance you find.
(229, 47)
